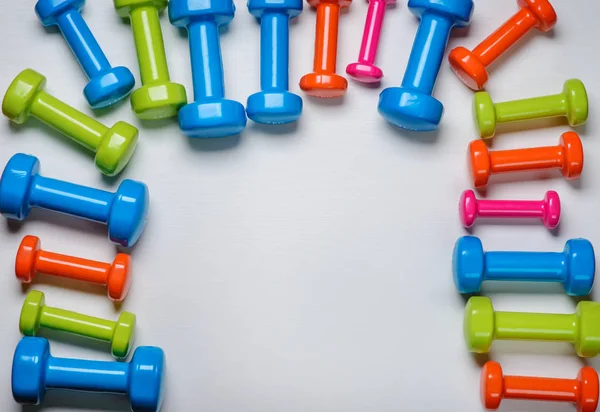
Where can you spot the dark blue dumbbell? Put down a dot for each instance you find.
(574, 267)
(22, 188)
(107, 84)
(210, 115)
(35, 370)
(411, 106)
(274, 104)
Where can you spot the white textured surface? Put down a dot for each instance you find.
(309, 270)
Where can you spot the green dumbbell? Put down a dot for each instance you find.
(158, 98)
(113, 146)
(482, 325)
(572, 103)
(36, 314)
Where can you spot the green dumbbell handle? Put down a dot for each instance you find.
(65, 320)
(535, 326)
(68, 120)
(149, 44)
(533, 108)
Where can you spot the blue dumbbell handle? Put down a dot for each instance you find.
(69, 198)
(525, 266)
(83, 43)
(207, 64)
(87, 375)
(274, 51)
(427, 53)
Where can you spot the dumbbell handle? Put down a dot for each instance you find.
(69, 198)
(150, 47)
(87, 375)
(432, 36)
(328, 17)
(533, 108)
(548, 157)
(207, 64)
(69, 121)
(55, 264)
(83, 43)
(536, 388)
(274, 51)
(76, 323)
(505, 36)
(535, 326)
(370, 39)
(510, 208)
(525, 266)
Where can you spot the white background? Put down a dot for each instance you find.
(304, 268)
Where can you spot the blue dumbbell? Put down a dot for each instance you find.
(34, 370)
(107, 84)
(574, 267)
(274, 104)
(411, 105)
(22, 188)
(210, 115)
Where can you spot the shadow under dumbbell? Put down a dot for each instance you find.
(417, 137)
(159, 123)
(485, 221)
(59, 219)
(526, 288)
(276, 130)
(214, 145)
(75, 340)
(84, 287)
(333, 102)
(503, 129)
(537, 347)
(481, 358)
(511, 405)
(80, 400)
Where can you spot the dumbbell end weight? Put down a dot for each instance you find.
(587, 343)
(158, 101)
(146, 382)
(468, 264)
(478, 324)
(212, 118)
(364, 72)
(15, 185)
(119, 279)
(543, 12)
(410, 109)
(29, 321)
(484, 111)
(21, 94)
(324, 85)
(467, 208)
(577, 102)
(274, 107)
(480, 166)
(128, 213)
(125, 7)
(116, 148)
(49, 10)
(552, 209)
(123, 335)
(29, 370)
(581, 267)
(492, 385)
(109, 87)
(573, 155)
(26, 258)
(469, 69)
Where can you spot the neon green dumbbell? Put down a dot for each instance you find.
(158, 98)
(26, 97)
(35, 314)
(482, 325)
(572, 103)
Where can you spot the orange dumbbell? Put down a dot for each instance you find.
(324, 81)
(470, 67)
(581, 391)
(567, 156)
(31, 260)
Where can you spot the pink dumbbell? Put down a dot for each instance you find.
(548, 209)
(364, 70)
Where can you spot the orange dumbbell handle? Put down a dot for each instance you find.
(71, 267)
(526, 159)
(549, 389)
(507, 35)
(328, 17)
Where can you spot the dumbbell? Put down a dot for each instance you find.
(34, 370)
(22, 188)
(547, 209)
(581, 391)
(274, 104)
(574, 267)
(470, 67)
(364, 70)
(482, 325)
(567, 156)
(324, 81)
(210, 115)
(35, 315)
(572, 103)
(159, 97)
(411, 106)
(31, 260)
(113, 146)
(107, 84)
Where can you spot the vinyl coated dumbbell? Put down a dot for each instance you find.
(35, 370)
(547, 209)
(581, 391)
(22, 188)
(113, 146)
(324, 81)
(274, 104)
(107, 84)
(159, 97)
(211, 115)
(574, 267)
(567, 156)
(482, 325)
(572, 103)
(411, 106)
(35, 315)
(471, 67)
(31, 260)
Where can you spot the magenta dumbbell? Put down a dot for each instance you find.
(547, 209)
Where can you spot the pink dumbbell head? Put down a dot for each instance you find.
(548, 209)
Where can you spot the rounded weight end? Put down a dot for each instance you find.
(122, 339)
(468, 264)
(119, 279)
(410, 109)
(29, 321)
(116, 148)
(459, 11)
(29, 370)
(543, 12)
(147, 369)
(480, 166)
(324, 85)
(124, 7)
(467, 208)
(49, 10)
(128, 213)
(109, 87)
(581, 267)
(26, 257)
(573, 155)
(158, 101)
(469, 69)
(274, 107)
(212, 118)
(21, 94)
(290, 7)
(478, 324)
(485, 115)
(182, 12)
(577, 102)
(552, 208)
(492, 385)
(365, 72)
(15, 185)
(587, 341)
(587, 379)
